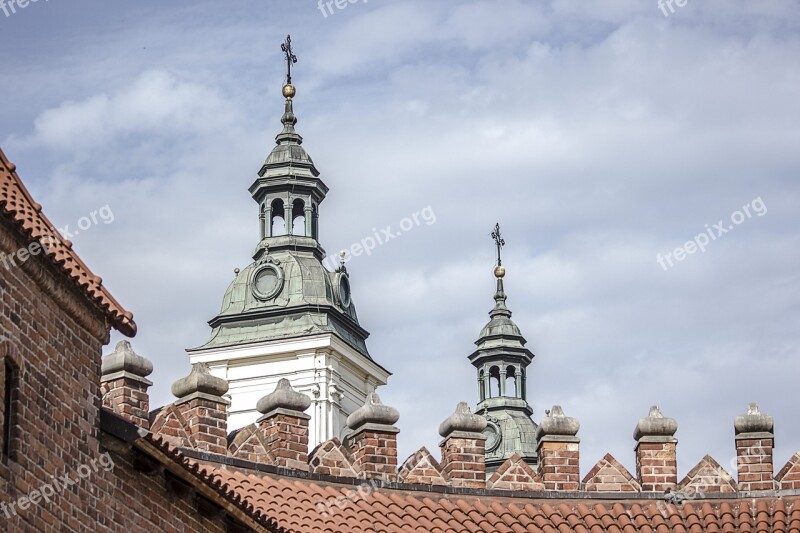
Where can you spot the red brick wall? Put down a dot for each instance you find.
(464, 462)
(559, 465)
(58, 422)
(129, 398)
(754, 463)
(657, 465)
(375, 454)
(287, 440)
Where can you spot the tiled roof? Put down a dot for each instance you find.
(17, 204)
(300, 505)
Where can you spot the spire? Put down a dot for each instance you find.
(288, 135)
(500, 308)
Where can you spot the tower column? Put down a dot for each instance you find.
(289, 222)
(267, 231)
(309, 221)
(518, 382)
(261, 226)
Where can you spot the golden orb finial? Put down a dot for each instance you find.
(289, 91)
(499, 272)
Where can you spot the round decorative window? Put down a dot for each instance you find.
(267, 282)
(343, 290)
(493, 436)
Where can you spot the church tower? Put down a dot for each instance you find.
(285, 315)
(501, 360)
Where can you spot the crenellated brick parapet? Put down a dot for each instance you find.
(124, 384)
(284, 426)
(464, 448)
(755, 441)
(559, 451)
(198, 420)
(656, 452)
(373, 443)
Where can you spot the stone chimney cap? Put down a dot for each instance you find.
(655, 425)
(200, 381)
(462, 420)
(754, 421)
(283, 397)
(373, 412)
(124, 359)
(558, 424)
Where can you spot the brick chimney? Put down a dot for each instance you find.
(755, 440)
(285, 426)
(203, 408)
(124, 384)
(464, 448)
(656, 452)
(559, 451)
(373, 443)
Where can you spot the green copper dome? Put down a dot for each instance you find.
(283, 295)
(288, 153)
(287, 292)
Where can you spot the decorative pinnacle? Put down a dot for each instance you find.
(462, 420)
(753, 421)
(557, 424)
(288, 53)
(200, 381)
(373, 412)
(283, 397)
(656, 425)
(124, 359)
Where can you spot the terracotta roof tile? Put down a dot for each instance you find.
(301, 505)
(17, 204)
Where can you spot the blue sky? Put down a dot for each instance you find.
(598, 134)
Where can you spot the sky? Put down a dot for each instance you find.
(643, 164)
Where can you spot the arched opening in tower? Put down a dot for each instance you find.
(278, 221)
(511, 381)
(494, 382)
(299, 218)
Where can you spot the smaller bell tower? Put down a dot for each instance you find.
(501, 360)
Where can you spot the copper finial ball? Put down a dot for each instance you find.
(499, 271)
(236, 271)
(289, 91)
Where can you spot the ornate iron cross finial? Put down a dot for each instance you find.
(290, 58)
(499, 242)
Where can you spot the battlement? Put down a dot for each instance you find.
(197, 424)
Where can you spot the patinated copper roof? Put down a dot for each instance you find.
(17, 204)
